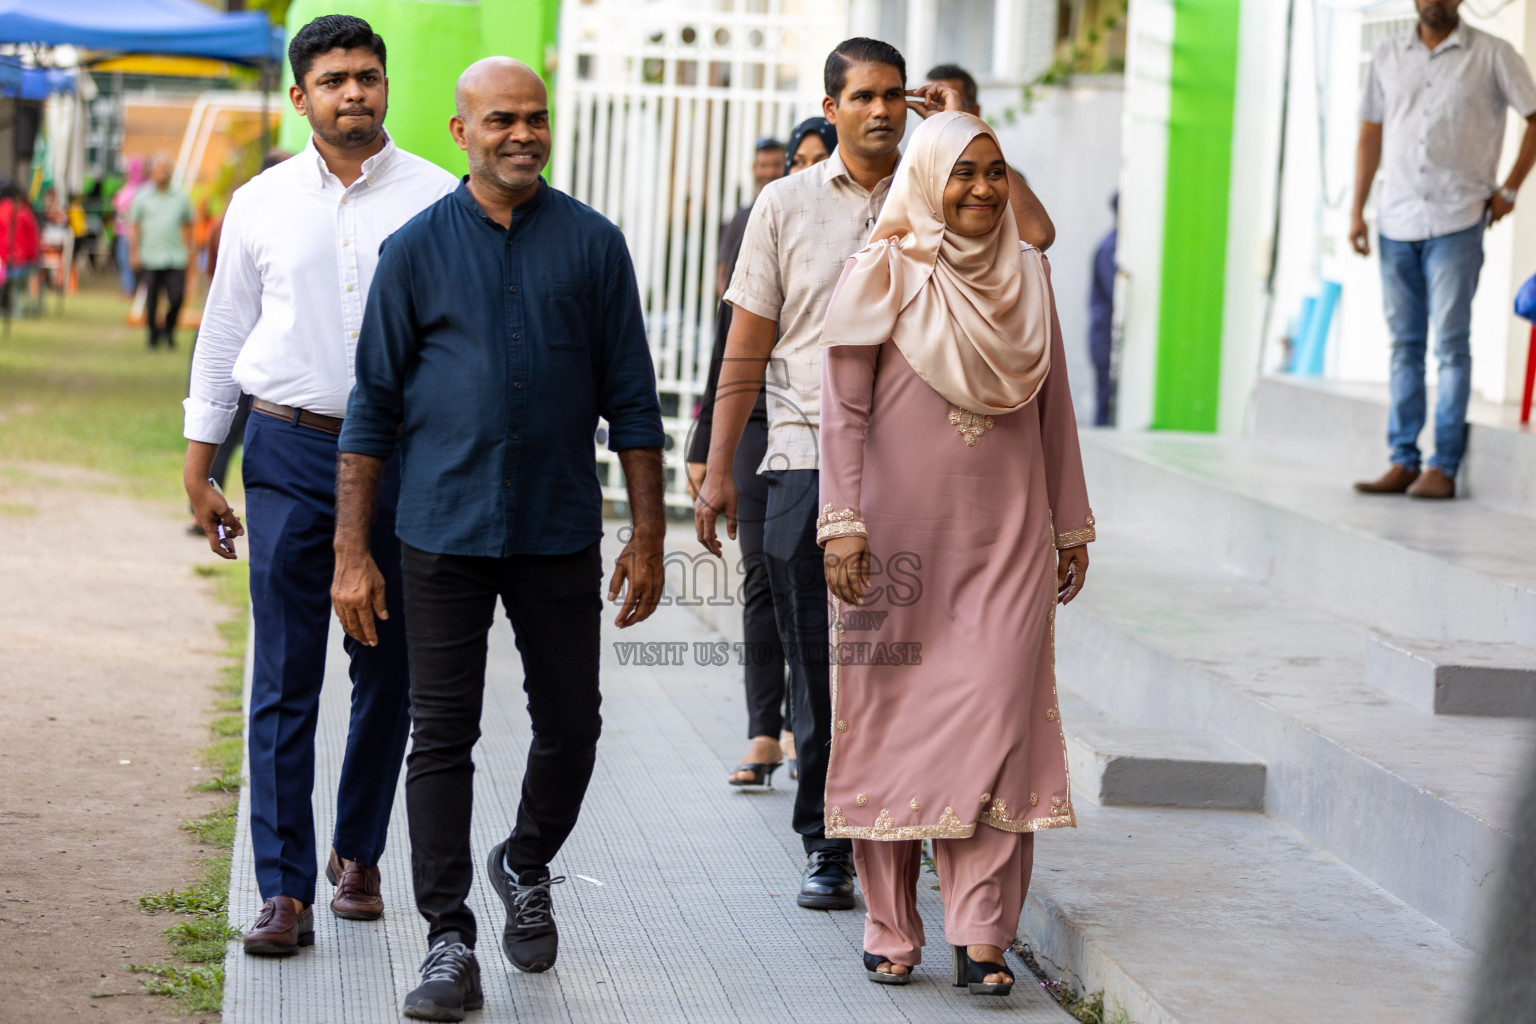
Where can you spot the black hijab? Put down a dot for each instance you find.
(821, 126)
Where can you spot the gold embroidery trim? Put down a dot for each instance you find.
(1072, 538)
(901, 832)
(885, 822)
(970, 425)
(832, 523)
(852, 528)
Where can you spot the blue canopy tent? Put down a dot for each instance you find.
(174, 27)
(183, 27)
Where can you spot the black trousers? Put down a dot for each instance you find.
(764, 655)
(801, 608)
(172, 281)
(554, 603)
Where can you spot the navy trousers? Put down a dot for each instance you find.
(290, 496)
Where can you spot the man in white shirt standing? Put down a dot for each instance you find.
(298, 251)
(1432, 118)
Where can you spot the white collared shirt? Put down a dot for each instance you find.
(1442, 115)
(296, 256)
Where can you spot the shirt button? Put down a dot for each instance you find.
(346, 241)
(514, 435)
(349, 287)
(518, 385)
(512, 289)
(507, 482)
(343, 200)
(354, 334)
(516, 336)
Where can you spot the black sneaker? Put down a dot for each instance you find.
(450, 984)
(828, 881)
(530, 939)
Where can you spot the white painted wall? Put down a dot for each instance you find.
(1143, 181)
(1068, 147)
(1250, 205)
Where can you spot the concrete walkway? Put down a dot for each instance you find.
(680, 901)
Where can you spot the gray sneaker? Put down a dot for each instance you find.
(450, 984)
(530, 939)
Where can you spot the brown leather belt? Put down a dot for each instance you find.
(302, 417)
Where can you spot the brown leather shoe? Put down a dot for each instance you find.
(280, 929)
(1433, 484)
(1394, 481)
(357, 890)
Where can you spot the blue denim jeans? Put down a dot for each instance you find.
(1424, 283)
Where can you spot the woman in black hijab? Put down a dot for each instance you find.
(812, 141)
(772, 741)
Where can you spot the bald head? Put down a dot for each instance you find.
(502, 124)
(490, 76)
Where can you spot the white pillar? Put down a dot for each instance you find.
(922, 23)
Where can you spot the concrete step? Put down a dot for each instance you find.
(1440, 570)
(1342, 428)
(1116, 764)
(1211, 917)
(1455, 678)
(1417, 803)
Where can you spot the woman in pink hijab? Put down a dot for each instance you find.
(955, 518)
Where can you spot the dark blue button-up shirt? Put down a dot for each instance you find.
(492, 352)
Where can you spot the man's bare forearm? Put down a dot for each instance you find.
(1525, 158)
(645, 482)
(747, 349)
(357, 492)
(1367, 160)
(1035, 225)
(198, 464)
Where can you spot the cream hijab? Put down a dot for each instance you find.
(971, 316)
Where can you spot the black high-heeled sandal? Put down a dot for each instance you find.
(762, 774)
(971, 975)
(872, 968)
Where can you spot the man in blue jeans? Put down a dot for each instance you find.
(1432, 112)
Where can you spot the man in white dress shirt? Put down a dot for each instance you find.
(1432, 115)
(298, 251)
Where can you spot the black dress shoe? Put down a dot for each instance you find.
(450, 984)
(828, 881)
(530, 939)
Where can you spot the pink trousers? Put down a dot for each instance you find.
(983, 881)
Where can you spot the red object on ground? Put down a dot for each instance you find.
(1530, 379)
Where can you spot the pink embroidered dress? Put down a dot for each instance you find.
(943, 680)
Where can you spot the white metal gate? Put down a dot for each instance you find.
(658, 107)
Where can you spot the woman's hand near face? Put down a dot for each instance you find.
(847, 565)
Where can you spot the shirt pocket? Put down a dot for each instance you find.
(570, 313)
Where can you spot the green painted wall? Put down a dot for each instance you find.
(428, 45)
(1204, 80)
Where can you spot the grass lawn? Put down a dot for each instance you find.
(80, 388)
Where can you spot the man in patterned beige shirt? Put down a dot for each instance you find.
(801, 230)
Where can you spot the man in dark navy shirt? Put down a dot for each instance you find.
(502, 322)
